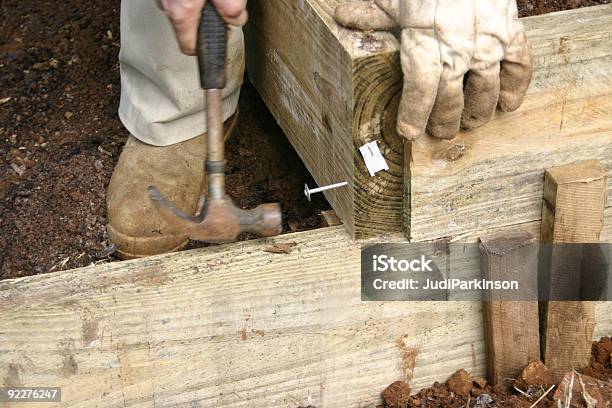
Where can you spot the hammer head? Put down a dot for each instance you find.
(219, 221)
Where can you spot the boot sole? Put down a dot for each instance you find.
(124, 255)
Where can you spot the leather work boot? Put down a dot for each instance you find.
(134, 224)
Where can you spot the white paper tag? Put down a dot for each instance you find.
(374, 160)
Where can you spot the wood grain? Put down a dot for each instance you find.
(229, 326)
(511, 320)
(235, 326)
(304, 75)
(332, 90)
(493, 176)
(573, 213)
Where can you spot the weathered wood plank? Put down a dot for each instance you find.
(234, 326)
(512, 325)
(228, 326)
(333, 90)
(494, 175)
(573, 213)
(308, 91)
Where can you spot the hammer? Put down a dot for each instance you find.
(217, 219)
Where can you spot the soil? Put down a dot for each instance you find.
(60, 136)
(535, 7)
(460, 391)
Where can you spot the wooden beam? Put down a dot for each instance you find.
(305, 76)
(511, 321)
(235, 326)
(493, 176)
(332, 90)
(573, 213)
(229, 326)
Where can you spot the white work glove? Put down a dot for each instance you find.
(443, 42)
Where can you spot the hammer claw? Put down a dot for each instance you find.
(201, 206)
(171, 213)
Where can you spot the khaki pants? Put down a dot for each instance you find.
(161, 99)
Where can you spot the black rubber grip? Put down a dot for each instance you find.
(212, 48)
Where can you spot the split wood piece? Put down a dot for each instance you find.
(332, 90)
(512, 329)
(572, 214)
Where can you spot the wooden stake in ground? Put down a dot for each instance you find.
(511, 318)
(573, 212)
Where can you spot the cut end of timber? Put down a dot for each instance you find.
(487, 178)
(504, 242)
(583, 172)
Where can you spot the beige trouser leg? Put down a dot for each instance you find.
(161, 100)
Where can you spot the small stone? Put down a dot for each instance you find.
(460, 383)
(397, 395)
(20, 170)
(68, 115)
(535, 373)
(480, 382)
(483, 400)
(98, 165)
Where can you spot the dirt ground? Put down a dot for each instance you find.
(461, 391)
(60, 136)
(535, 7)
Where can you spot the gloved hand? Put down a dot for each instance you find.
(185, 17)
(444, 42)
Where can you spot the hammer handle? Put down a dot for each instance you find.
(212, 48)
